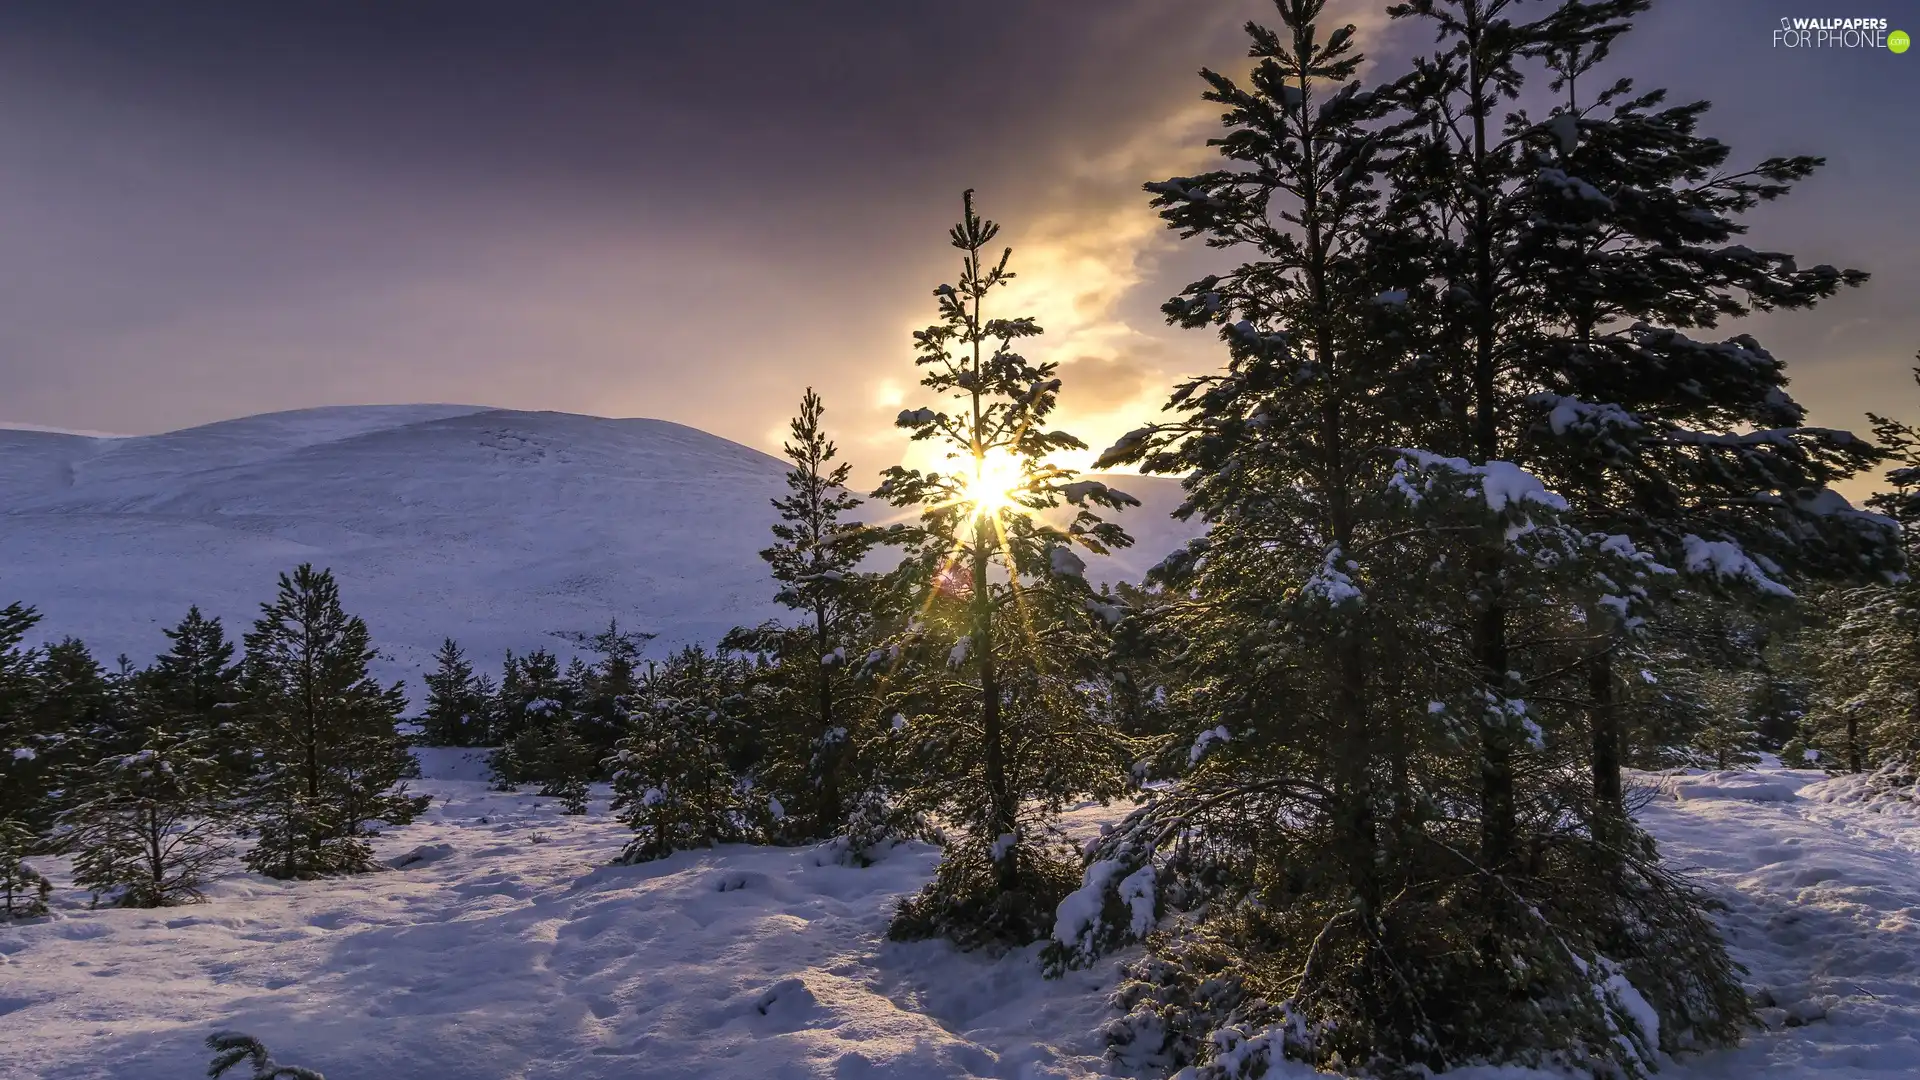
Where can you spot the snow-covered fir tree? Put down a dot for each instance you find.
(148, 827)
(567, 764)
(23, 890)
(1613, 236)
(814, 709)
(1384, 555)
(672, 783)
(1866, 710)
(555, 726)
(331, 763)
(991, 682)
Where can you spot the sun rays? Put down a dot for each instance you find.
(992, 485)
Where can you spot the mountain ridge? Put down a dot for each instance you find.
(502, 528)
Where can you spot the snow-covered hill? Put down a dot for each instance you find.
(509, 948)
(503, 529)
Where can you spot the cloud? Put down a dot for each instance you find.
(1098, 384)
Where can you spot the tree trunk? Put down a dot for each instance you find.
(156, 854)
(1002, 813)
(1355, 814)
(1498, 826)
(830, 768)
(1498, 818)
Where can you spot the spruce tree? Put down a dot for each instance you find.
(1630, 243)
(993, 678)
(455, 710)
(672, 784)
(78, 708)
(194, 688)
(814, 709)
(534, 696)
(29, 755)
(148, 826)
(602, 691)
(1381, 557)
(1866, 711)
(332, 763)
(23, 890)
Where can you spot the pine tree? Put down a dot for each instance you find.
(534, 696)
(77, 709)
(1901, 501)
(23, 890)
(149, 825)
(671, 782)
(1865, 713)
(455, 711)
(1868, 714)
(332, 763)
(1628, 244)
(29, 755)
(232, 1049)
(992, 682)
(602, 691)
(813, 708)
(567, 764)
(1385, 873)
(194, 688)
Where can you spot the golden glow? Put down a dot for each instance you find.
(991, 484)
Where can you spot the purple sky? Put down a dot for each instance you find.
(691, 211)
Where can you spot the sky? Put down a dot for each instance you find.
(694, 211)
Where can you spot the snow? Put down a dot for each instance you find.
(1735, 786)
(507, 529)
(1565, 128)
(507, 947)
(1573, 186)
(1065, 563)
(1080, 911)
(1206, 739)
(1002, 845)
(1824, 910)
(1502, 483)
(1726, 560)
(1572, 414)
(1331, 583)
(1136, 891)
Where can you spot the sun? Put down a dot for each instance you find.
(991, 485)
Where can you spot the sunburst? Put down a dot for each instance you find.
(991, 485)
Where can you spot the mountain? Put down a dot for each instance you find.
(503, 529)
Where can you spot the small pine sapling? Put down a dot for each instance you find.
(232, 1049)
(23, 890)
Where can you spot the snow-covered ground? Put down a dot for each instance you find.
(510, 950)
(504, 529)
